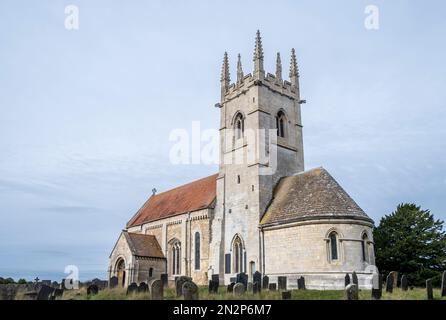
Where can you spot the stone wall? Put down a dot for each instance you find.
(302, 249)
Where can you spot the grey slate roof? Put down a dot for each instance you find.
(312, 194)
(143, 245)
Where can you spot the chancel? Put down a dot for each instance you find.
(292, 223)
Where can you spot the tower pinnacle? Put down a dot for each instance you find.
(278, 68)
(239, 69)
(294, 71)
(225, 77)
(258, 57)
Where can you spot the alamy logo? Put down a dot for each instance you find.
(72, 17)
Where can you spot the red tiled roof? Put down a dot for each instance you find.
(193, 196)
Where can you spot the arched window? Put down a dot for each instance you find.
(197, 251)
(150, 272)
(237, 248)
(281, 124)
(176, 257)
(333, 246)
(364, 244)
(239, 126)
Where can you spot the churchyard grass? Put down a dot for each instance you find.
(169, 294)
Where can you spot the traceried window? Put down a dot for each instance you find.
(281, 124)
(239, 126)
(333, 246)
(364, 244)
(237, 248)
(176, 257)
(197, 251)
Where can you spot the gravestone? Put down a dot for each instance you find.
(250, 288)
(429, 290)
(214, 283)
(301, 283)
(164, 278)
(62, 284)
(143, 287)
(57, 294)
(286, 295)
(156, 289)
(404, 285)
(242, 278)
(190, 291)
(281, 281)
(113, 283)
(132, 288)
(179, 281)
(257, 278)
(395, 279)
(351, 292)
(239, 289)
(54, 284)
(255, 287)
(8, 291)
(92, 289)
(377, 286)
(265, 282)
(355, 279)
(346, 280)
(443, 285)
(389, 283)
(272, 287)
(233, 279)
(45, 293)
(230, 287)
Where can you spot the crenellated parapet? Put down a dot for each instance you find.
(258, 77)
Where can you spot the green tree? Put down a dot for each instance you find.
(412, 242)
(22, 281)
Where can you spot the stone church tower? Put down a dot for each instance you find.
(259, 112)
(261, 212)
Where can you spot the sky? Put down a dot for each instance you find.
(85, 115)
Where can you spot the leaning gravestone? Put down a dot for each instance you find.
(164, 278)
(351, 292)
(8, 291)
(272, 287)
(404, 285)
(265, 282)
(179, 281)
(156, 289)
(429, 290)
(250, 288)
(257, 278)
(230, 287)
(301, 283)
(395, 279)
(355, 279)
(92, 289)
(45, 293)
(286, 295)
(377, 286)
(113, 283)
(443, 285)
(239, 289)
(190, 291)
(57, 294)
(281, 281)
(389, 283)
(347, 279)
(143, 287)
(132, 288)
(242, 278)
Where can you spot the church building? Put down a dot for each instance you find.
(265, 214)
